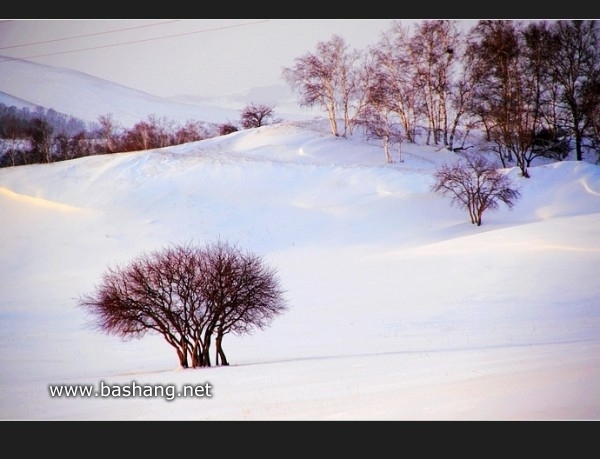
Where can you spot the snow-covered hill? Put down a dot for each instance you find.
(73, 93)
(399, 307)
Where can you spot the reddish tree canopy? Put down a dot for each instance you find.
(188, 294)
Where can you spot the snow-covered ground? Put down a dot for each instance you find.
(399, 307)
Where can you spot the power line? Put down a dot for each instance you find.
(134, 41)
(86, 35)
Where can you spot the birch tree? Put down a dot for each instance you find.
(329, 79)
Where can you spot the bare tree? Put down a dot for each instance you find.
(329, 79)
(241, 293)
(361, 76)
(162, 131)
(153, 132)
(186, 294)
(474, 184)
(594, 128)
(11, 131)
(435, 52)
(191, 131)
(41, 140)
(392, 84)
(504, 94)
(138, 137)
(576, 68)
(461, 99)
(551, 139)
(257, 115)
(227, 128)
(109, 130)
(381, 122)
(72, 147)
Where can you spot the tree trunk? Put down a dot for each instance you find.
(578, 146)
(197, 358)
(206, 349)
(219, 354)
(182, 355)
(386, 149)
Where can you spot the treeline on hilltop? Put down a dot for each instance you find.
(45, 136)
(24, 131)
(531, 87)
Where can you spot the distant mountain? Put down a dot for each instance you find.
(280, 96)
(28, 84)
(11, 101)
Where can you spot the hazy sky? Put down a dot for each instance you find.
(169, 57)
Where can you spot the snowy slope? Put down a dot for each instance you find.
(399, 307)
(87, 97)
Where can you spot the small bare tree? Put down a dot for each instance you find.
(41, 139)
(227, 128)
(257, 115)
(109, 130)
(191, 131)
(380, 123)
(476, 185)
(186, 294)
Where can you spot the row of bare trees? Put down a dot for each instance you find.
(159, 132)
(36, 135)
(153, 132)
(43, 137)
(37, 141)
(532, 86)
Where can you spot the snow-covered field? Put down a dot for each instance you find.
(399, 307)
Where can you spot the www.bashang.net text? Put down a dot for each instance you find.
(167, 391)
